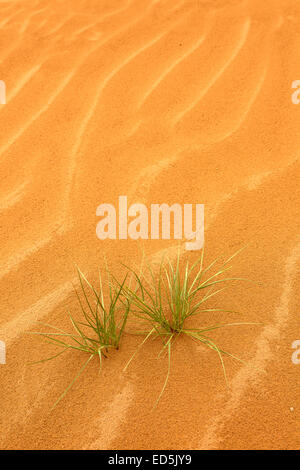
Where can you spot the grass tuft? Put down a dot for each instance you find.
(166, 302)
(101, 327)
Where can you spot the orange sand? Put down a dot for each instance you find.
(184, 101)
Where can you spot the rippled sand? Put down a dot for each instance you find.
(164, 101)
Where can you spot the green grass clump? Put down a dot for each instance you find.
(167, 301)
(99, 331)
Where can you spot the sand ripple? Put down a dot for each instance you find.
(142, 98)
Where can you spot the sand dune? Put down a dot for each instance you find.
(184, 101)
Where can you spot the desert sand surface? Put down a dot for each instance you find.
(184, 101)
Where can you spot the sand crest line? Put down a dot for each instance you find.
(67, 80)
(170, 69)
(217, 76)
(46, 304)
(248, 373)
